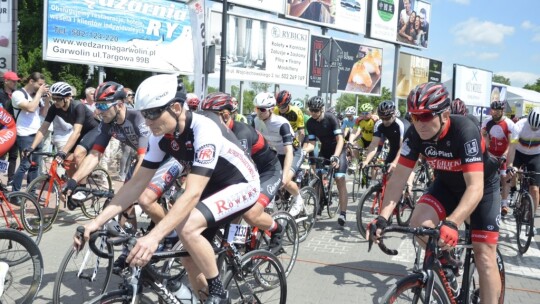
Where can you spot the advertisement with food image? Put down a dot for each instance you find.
(360, 66)
(414, 70)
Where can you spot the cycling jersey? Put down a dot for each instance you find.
(498, 133)
(277, 130)
(394, 133)
(240, 117)
(133, 132)
(76, 113)
(326, 131)
(294, 115)
(528, 141)
(367, 127)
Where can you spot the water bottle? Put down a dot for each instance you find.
(185, 295)
(451, 278)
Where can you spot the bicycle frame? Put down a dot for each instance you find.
(4, 200)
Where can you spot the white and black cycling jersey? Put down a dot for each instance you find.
(277, 130)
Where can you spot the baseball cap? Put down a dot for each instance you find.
(9, 75)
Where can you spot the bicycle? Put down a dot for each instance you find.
(524, 211)
(324, 186)
(358, 176)
(25, 272)
(429, 282)
(370, 203)
(47, 190)
(255, 277)
(423, 175)
(20, 211)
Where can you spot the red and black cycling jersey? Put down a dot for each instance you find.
(211, 149)
(460, 148)
(133, 132)
(255, 145)
(326, 131)
(76, 113)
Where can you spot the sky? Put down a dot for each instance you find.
(499, 36)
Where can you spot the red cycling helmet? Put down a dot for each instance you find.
(283, 98)
(109, 91)
(192, 101)
(430, 97)
(458, 107)
(218, 101)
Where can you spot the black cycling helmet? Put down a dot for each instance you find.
(283, 98)
(109, 91)
(430, 97)
(497, 105)
(386, 108)
(315, 102)
(218, 101)
(458, 107)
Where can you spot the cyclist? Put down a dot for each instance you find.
(263, 156)
(466, 181)
(85, 126)
(458, 107)
(525, 151)
(278, 132)
(347, 126)
(220, 174)
(293, 114)
(498, 131)
(392, 129)
(326, 128)
(364, 126)
(237, 116)
(192, 101)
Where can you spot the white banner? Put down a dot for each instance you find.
(6, 41)
(262, 51)
(197, 11)
(276, 6)
(153, 35)
(472, 85)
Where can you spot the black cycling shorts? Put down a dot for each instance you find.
(531, 162)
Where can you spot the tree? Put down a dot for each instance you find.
(500, 79)
(534, 87)
(347, 100)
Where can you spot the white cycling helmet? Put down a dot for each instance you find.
(156, 91)
(534, 118)
(61, 89)
(265, 100)
(350, 111)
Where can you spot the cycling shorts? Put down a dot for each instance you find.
(298, 158)
(363, 143)
(270, 183)
(86, 140)
(340, 172)
(531, 162)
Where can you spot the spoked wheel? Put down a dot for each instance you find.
(48, 196)
(306, 218)
(368, 208)
(525, 223)
(99, 179)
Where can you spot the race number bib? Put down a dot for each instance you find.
(237, 234)
(4, 166)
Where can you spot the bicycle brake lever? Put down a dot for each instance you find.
(372, 231)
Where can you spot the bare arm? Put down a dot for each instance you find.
(33, 105)
(287, 164)
(394, 189)
(77, 128)
(372, 150)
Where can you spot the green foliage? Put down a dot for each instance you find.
(346, 100)
(500, 79)
(534, 87)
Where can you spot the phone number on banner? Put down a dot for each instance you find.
(93, 35)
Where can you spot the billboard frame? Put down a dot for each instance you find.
(469, 67)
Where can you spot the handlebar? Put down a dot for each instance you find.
(418, 231)
(115, 236)
(95, 192)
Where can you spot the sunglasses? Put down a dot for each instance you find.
(262, 110)
(386, 117)
(426, 117)
(314, 110)
(154, 113)
(57, 99)
(131, 95)
(365, 113)
(105, 106)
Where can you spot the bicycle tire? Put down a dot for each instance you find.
(474, 281)
(357, 175)
(410, 290)
(40, 189)
(309, 215)
(98, 179)
(69, 287)
(524, 222)
(405, 207)
(332, 198)
(367, 209)
(30, 213)
(251, 283)
(290, 242)
(16, 286)
(120, 296)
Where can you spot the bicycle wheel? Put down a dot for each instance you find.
(368, 208)
(25, 272)
(474, 281)
(99, 179)
(288, 251)
(261, 279)
(30, 218)
(82, 276)
(356, 177)
(525, 223)
(48, 195)
(307, 217)
(411, 289)
(120, 296)
(405, 207)
(333, 198)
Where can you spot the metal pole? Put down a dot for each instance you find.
(394, 80)
(101, 75)
(241, 97)
(356, 104)
(15, 34)
(223, 58)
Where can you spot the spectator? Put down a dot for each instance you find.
(425, 27)
(10, 85)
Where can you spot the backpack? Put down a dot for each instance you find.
(11, 109)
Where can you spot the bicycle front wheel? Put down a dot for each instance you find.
(307, 217)
(333, 198)
(288, 251)
(411, 289)
(25, 272)
(47, 192)
(83, 275)
(120, 296)
(99, 179)
(368, 208)
(406, 205)
(525, 223)
(30, 218)
(261, 279)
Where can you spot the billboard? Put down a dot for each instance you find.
(6, 31)
(154, 35)
(265, 5)
(262, 51)
(359, 67)
(345, 15)
(401, 21)
(414, 70)
(472, 85)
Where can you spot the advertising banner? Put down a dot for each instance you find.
(6, 41)
(414, 70)
(262, 51)
(276, 6)
(472, 85)
(198, 13)
(345, 15)
(360, 66)
(401, 21)
(152, 35)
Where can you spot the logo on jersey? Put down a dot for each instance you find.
(171, 174)
(471, 147)
(243, 142)
(431, 151)
(206, 154)
(144, 130)
(175, 146)
(405, 149)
